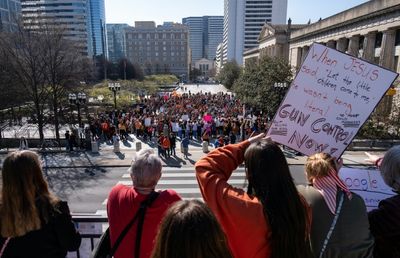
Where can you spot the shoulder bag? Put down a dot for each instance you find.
(104, 249)
(328, 236)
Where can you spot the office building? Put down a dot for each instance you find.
(116, 41)
(10, 11)
(161, 49)
(205, 33)
(82, 21)
(97, 28)
(243, 21)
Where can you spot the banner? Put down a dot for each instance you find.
(368, 184)
(329, 100)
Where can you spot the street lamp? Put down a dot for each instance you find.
(114, 87)
(77, 99)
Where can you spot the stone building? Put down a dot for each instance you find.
(273, 41)
(161, 49)
(370, 31)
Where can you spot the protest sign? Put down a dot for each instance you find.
(147, 121)
(368, 184)
(329, 100)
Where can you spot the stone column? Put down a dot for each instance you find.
(298, 58)
(369, 46)
(331, 44)
(354, 45)
(388, 49)
(386, 59)
(341, 44)
(304, 53)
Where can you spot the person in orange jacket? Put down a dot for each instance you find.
(271, 219)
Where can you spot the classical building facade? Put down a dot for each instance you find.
(205, 66)
(161, 49)
(370, 31)
(10, 11)
(243, 21)
(273, 41)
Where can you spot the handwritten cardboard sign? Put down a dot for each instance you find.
(368, 184)
(329, 100)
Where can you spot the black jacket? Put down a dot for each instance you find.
(53, 240)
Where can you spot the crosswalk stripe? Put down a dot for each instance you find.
(183, 182)
(185, 175)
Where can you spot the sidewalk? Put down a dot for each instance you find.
(107, 158)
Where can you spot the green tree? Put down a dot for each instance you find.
(256, 86)
(229, 74)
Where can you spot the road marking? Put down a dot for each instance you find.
(184, 175)
(182, 182)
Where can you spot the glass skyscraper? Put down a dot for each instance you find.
(83, 21)
(116, 41)
(205, 33)
(10, 10)
(97, 28)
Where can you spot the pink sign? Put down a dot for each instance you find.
(207, 118)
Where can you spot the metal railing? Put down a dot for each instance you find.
(91, 228)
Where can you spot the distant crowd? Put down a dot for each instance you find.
(202, 117)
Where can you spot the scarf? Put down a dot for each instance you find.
(328, 187)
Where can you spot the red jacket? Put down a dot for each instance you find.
(240, 215)
(123, 203)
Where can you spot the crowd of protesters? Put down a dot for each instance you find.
(218, 119)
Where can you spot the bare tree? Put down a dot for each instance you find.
(21, 53)
(64, 64)
(45, 65)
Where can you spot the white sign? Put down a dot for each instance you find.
(368, 184)
(329, 100)
(147, 121)
(185, 117)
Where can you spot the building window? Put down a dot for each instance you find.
(397, 40)
(378, 39)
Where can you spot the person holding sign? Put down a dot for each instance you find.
(271, 219)
(340, 225)
(385, 221)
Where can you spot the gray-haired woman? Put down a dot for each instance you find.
(385, 220)
(124, 202)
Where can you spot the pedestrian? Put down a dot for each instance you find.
(124, 202)
(23, 144)
(33, 221)
(67, 136)
(385, 220)
(116, 143)
(339, 217)
(172, 140)
(72, 141)
(185, 147)
(271, 219)
(166, 145)
(190, 229)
